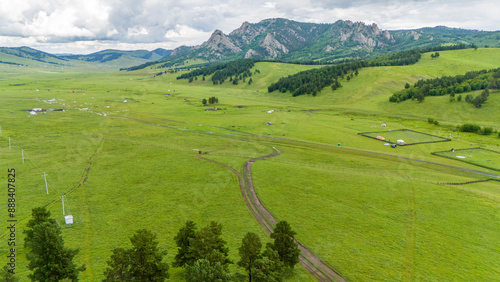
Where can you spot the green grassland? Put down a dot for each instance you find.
(408, 136)
(365, 209)
(485, 158)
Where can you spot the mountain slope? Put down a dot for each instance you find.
(295, 41)
(26, 55)
(116, 56)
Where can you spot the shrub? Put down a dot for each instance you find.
(468, 127)
(486, 131)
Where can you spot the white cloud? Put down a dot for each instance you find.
(185, 32)
(88, 24)
(270, 5)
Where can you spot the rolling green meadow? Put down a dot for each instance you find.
(368, 211)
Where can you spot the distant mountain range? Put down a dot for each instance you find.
(296, 41)
(280, 39)
(113, 58)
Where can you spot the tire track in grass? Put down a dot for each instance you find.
(409, 252)
(83, 180)
(307, 259)
(87, 234)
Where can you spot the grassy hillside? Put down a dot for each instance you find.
(365, 209)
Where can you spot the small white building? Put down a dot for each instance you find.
(68, 219)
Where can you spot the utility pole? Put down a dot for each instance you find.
(45, 177)
(62, 198)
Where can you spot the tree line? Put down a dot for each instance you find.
(471, 81)
(200, 251)
(474, 128)
(313, 81)
(222, 71)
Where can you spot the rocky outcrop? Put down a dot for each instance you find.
(329, 48)
(273, 47)
(287, 39)
(251, 53)
(218, 42)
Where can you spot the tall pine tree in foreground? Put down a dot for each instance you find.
(48, 259)
(285, 245)
(249, 253)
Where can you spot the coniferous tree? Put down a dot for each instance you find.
(182, 239)
(8, 275)
(143, 262)
(48, 258)
(208, 244)
(119, 266)
(249, 252)
(202, 271)
(285, 244)
(268, 267)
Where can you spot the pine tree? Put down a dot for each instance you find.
(182, 240)
(249, 252)
(143, 262)
(285, 244)
(48, 258)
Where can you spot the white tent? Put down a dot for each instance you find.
(400, 141)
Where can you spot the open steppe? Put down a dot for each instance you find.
(369, 211)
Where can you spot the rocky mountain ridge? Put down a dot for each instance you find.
(290, 40)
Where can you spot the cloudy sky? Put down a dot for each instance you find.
(86, 26)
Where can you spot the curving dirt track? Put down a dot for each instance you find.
(307, 259)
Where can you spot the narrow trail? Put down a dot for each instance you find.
(307, 259)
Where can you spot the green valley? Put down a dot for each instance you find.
(133, 150)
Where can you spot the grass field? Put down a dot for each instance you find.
(410, 137)
(365, 209)
(477, 156)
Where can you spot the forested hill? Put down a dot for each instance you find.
(22, 55)
(27, 56)
(296, 41)
(110, 55)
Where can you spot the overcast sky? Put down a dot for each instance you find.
(86, 26)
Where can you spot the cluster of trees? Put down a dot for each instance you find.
(49, 259)
(402, 58)
(211, 100)
(474, 128)
(432, 121)
(202, 252)
(142, 262)
(313, 81)
(435, 55)
(239, 69)
(204, 255)
(471, 81)
(479, 100)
